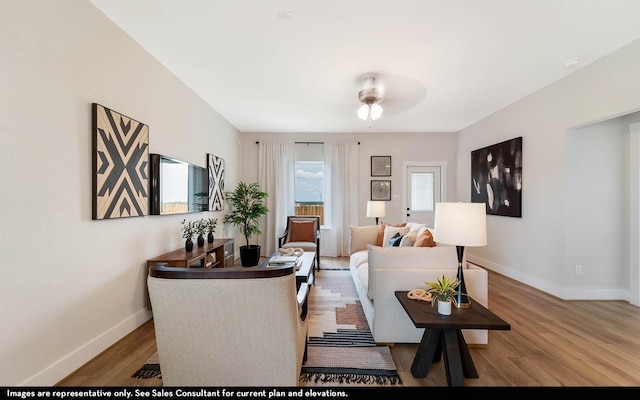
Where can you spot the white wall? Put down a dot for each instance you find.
(534, 249)
(72, 286)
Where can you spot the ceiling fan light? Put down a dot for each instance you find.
(363, 112)
(376, 111)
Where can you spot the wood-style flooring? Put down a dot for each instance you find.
(552, 342)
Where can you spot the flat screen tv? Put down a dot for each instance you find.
(177, 187)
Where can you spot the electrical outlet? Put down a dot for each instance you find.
(578, 269)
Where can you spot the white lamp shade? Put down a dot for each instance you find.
(461, 224)
(375, 209)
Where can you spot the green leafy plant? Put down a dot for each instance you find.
(211, 224)
(188, 229)
(200, 227)
(443, 289)
(247, 206)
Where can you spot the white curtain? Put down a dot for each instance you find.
(276, 176)
(341, 190)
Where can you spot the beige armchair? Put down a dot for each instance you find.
(302, 232)
(228, 326)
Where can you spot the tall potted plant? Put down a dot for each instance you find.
(247, 206)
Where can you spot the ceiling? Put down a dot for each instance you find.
(297, 66)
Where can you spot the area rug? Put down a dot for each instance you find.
(341, 348)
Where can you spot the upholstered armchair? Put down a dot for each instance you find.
(302, 232)
(228, 326)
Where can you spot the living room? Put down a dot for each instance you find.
(74, 286)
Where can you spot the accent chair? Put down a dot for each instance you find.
(302, 232)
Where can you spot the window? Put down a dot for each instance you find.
(309, 180)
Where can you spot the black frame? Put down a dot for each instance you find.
(381, 159)
(375, 183)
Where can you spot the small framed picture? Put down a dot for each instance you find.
(380, 165)
(381, 190)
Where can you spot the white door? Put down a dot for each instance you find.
(424, 190)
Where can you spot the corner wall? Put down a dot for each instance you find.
(71, 286)
(533, 249)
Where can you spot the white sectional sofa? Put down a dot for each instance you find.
(378, 271)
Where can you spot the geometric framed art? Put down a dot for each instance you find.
(120, 165)
(381, 190)
(215, 166)
(496, 178)
(380, 165)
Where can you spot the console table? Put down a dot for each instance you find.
(219, 254)
(211, 255)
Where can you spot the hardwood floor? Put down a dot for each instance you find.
(552, 342)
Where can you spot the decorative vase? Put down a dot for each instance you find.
(200, 240)
(210, 237)
(444, 307)
(188, 245)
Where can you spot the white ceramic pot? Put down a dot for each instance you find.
(444, 307)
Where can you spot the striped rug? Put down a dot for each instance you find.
(341, 349)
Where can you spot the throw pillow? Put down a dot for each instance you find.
(390, 231)
(302, 231)
(395, 240)
(425, 239)
(380, 241)
(410, 238)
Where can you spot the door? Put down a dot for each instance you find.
(424, 190)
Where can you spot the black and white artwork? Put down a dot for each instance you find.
(215, 166)
(496, 178)
(120, 165)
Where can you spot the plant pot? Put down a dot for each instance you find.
(188, 245)
(444, 307)
(200, 240)
(250, 255)
(210, 237)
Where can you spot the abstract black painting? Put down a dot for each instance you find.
(120, 165)
(496, 178)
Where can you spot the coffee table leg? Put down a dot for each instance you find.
(426, 352)
(452, 359)
(467, 363)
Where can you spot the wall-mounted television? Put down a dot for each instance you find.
(177, 187)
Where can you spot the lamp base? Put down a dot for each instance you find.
(462, 300)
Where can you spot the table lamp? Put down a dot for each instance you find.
(461, 224)
(375, 209)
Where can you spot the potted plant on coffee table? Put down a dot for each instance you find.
(247, 207)
(444, 292)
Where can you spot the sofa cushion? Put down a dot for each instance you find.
(391, 231)
(395, 240)
(424, 239)
(380, 240)
(414, 226)
(410, 238)
(361, 236)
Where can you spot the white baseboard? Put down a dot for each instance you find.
(74, 360)
(565, 293)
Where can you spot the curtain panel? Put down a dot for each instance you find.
(276, 176)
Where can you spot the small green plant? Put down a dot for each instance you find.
(443, 289)
(200, 226)
(210, 224)
(188, 229)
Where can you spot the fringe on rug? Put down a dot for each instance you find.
(149, 371)
(350, 378)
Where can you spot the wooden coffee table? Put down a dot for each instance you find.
(443, 335)
(305, 273)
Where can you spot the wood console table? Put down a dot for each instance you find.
(219, 254)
